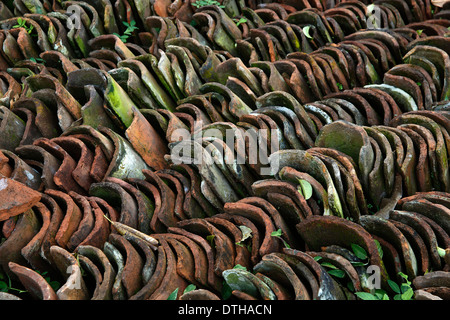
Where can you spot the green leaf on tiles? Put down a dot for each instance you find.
(276, 233)
(357, 264)
(381, 294)
(328, 265)
(394, 286)
(189, 288)
(380, 249)
(173, 295)
(337, 273)
(408, 294)
(37, 60)
(238, 266)
(305, 188)
(366, 296)
(359, 251)
(306, 31)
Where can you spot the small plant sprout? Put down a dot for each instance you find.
(239, 21)
(278, 235)
(173, 295)
(54, 284)
(6, 285)
(372, 209)
(21, 23)
(238, 266)
(77, 257)
(404, 291)
(210, 239)
(131, 27)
